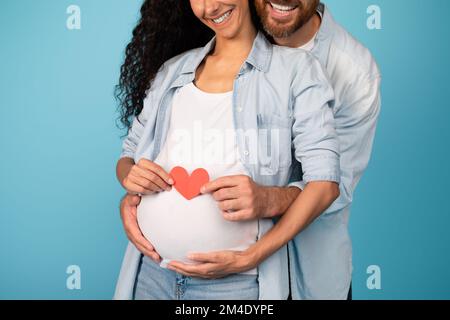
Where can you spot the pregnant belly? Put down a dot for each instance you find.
(176, 226)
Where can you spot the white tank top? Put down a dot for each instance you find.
(201, 135)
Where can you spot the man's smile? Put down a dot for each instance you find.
(281, 11)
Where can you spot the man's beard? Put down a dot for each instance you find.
(306, 9)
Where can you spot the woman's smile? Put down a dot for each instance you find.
(228, 19)
(223, 18)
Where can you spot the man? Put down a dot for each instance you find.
(320, 256)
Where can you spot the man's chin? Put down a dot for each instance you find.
(279, 30)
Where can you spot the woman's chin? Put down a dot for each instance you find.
(229, 33)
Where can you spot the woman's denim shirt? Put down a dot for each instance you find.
(281, 109)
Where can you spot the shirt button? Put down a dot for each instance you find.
(246, 153)
(239, 109)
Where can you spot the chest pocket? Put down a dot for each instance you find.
(274, 143)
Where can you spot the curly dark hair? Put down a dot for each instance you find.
(165, 29)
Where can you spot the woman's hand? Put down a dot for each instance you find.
(146, 177)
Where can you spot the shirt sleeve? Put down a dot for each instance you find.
(131, 141)
(139, 122)
(356, 122)
(315, 140)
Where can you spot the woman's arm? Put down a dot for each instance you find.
(123, 167)
(145, 176)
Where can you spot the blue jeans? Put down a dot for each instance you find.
(156, 283)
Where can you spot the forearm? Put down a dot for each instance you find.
(279, 199)
(309, 204)
(123, 167)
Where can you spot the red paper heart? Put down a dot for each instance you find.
(189, 186)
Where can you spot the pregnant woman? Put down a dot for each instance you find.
(237, 106)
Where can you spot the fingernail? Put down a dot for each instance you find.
(202, 189)
(171, 181)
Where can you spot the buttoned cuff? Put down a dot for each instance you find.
(322, 168)
(298, 184)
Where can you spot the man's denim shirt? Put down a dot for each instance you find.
(321, 255)
(281, 108)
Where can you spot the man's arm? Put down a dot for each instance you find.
(309, 204)
(279, 199)
(356, 121)
(240, 198)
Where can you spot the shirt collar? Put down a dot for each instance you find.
(324, 36)
(328, 24)
(259, 56)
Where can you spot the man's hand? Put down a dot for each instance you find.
(240, 198)
(128, 213)
(216, 264)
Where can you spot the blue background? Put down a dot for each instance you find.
(59, 145)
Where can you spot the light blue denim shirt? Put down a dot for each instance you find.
(282, 111)
(321, 255)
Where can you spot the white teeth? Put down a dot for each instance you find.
(282, 8)
(222, 18)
